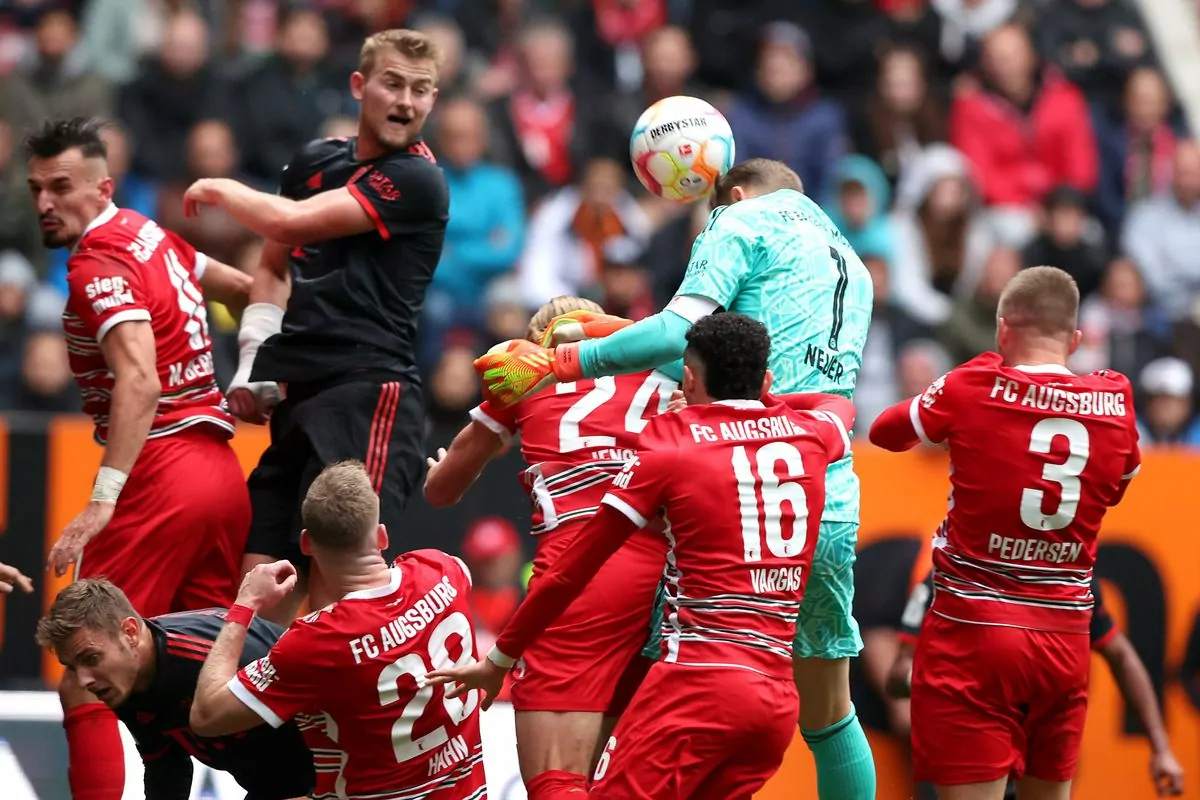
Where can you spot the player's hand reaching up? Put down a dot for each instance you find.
(678, 401)
(575, 326)
(266, 585)
(81, 530)
(1167, 773)
(11, 577)
(481, 675)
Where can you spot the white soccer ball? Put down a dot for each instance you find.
(679, 147)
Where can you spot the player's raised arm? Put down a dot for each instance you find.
(453, 471)
(225, 284)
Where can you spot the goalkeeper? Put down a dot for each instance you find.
(772, 254)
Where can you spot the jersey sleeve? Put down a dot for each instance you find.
(723, 258)
(637, 490)
(401, 194)
(933, 411)
(1103, 628)
(281, 684)
(103, 292)
(832, 432)
(500, 420)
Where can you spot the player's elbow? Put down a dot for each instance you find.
(437, 495)
(200, 721)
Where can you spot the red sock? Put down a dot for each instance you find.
(96, 754)
(556, 784)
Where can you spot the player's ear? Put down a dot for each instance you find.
(689, 381)
(130, 628)
(357, 81)
(1001, 333)
(768, 378)
(106, 188)
(1076, 338)
(736, 194)
(305, 543)
(381, 537)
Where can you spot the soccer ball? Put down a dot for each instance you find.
(679, 147)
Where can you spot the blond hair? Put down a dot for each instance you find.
(764, 174)
(341, 507)
(563, 304)
(92, 604)
(1042, 300)
(410, 44)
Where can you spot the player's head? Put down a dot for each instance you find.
(753, 178)
(726, 359)
(563, 304)
(396, 84)
(341, 514)
(1038, 312)
(97, 635)
(68, 178)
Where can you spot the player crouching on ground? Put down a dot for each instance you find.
(715, 716)
(577, 677)
(146, 671)
(357, 665)
(1000, 675)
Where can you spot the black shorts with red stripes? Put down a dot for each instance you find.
(380, 422)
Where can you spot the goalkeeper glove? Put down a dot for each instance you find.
(577, 325)
(516, 369)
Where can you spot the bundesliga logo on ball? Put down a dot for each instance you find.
(679, 147)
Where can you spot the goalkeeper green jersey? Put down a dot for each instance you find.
(779, 259)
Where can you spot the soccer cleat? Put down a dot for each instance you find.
(575, 326)
(516, 369)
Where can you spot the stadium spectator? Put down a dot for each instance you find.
(1137, 142)
(459, 68)
(1025, 129)
(846, 36)
(783, 116)
(941, 238)
(17, 280)
(1095, 42)
(902, 115)
(1162, 236)
(1166, 385)
(486, 229)
(892, 328)
(453, 385)
(921, 359)
(492, 549)
(971, 327)
(282, 103)
(1120, 331)
(965, 24)
(18, 221)
(47, 384)
(210, 153)
(858, 204)
(1064, 240)
(669, 66)
(915, 24)
(577, 231)
(175, 90)
(543, 126)
(56, 80)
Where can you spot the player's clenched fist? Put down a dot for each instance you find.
(575, 326)
(516, 369)
(267, 584)
(204, 192)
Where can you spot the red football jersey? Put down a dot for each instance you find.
(575, 437)
(713, 471)
(126, 268)
(1038, 456)
(360, 663)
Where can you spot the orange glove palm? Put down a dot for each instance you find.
(575, 326)
(516, 369)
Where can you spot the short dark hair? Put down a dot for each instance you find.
(56, 137)
(732, 351)
(761, 173)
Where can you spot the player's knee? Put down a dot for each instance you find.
(824, 688)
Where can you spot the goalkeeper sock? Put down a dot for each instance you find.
(557, 784)
(845, 766)
(96, 757)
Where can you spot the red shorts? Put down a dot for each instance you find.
(990, 702)
(580, 662)
(698, 732)
(176, 539)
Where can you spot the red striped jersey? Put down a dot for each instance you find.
(741, 487)
(1037, 455)
(352, 676)
(126, 268)
(575, 437)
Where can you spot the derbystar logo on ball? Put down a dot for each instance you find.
(679, 147)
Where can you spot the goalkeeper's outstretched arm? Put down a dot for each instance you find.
(651, 343)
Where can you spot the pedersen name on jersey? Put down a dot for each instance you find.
(1053, 398)
(406, 625)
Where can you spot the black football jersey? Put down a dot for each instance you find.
(269, 763)
(356, 301)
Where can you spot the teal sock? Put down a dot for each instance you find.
(845, 767)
